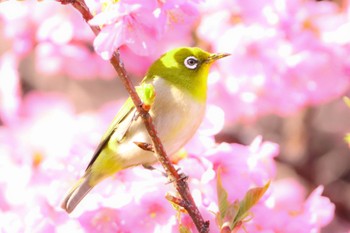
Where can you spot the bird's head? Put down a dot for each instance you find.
(186, 68)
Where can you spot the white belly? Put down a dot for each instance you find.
(176, 117)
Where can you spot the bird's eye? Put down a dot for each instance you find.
(191, 62)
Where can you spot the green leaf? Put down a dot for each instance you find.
(184, 229)
(347, 138)
(147, 93)
(347, 101)
(250, 199)
(222, 199)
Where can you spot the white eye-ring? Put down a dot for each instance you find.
(191, 62)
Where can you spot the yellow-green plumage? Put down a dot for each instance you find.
(179, 79)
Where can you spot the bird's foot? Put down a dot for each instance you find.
(144, 146)
(182, 176)
(148, 167)
(154, 169)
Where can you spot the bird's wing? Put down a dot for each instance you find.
(127, 109)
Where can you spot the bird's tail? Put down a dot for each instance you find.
(77, 193)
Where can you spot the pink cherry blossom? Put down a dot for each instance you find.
(59, 37)
(294, 215)
(69, 59)
(320, 209)
(139, 25)
(10, 89)
(286, 72)
(252, 166)
(285, 56)
(125, 23)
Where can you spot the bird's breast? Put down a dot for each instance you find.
(177, 115)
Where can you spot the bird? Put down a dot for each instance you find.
(175, 90)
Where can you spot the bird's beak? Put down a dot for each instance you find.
(215, 56)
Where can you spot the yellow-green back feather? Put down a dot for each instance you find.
(126, 109)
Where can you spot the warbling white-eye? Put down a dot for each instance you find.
(175, 88)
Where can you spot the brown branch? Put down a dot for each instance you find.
(180, 183)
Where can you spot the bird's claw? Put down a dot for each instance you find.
(144, 146)
(148, 167)
(182, 177)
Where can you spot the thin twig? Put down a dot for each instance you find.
(180, 183)
(176, 200)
